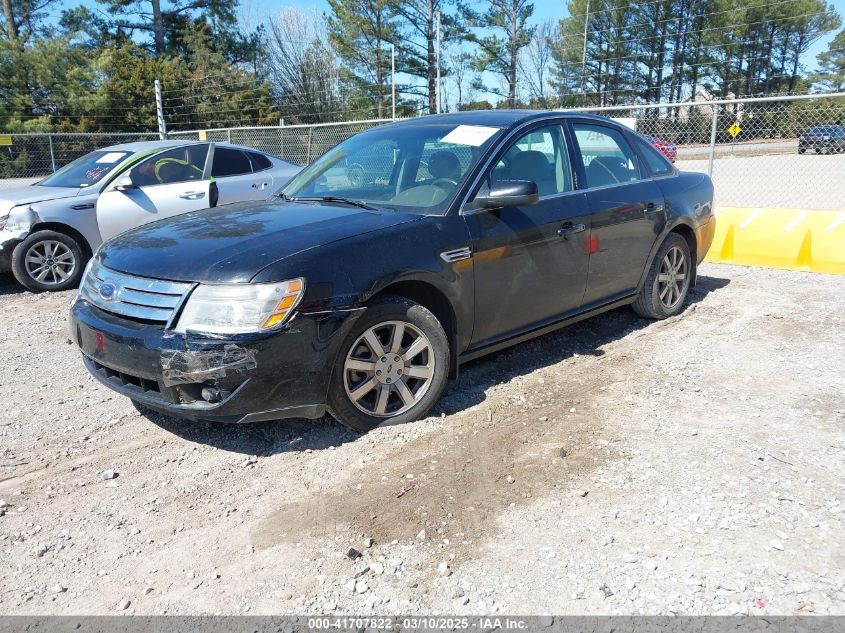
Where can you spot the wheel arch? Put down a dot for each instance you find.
(682, 227)
(437, 302)
(68, 230)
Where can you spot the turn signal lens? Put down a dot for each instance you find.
(274, 320)
(284, 307)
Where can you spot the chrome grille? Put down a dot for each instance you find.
(130, 296)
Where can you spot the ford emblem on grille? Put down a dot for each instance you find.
(107, 291)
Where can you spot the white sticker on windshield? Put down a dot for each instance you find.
(474, 135)
(110, 158)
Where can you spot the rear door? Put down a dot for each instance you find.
(169, 183)
(627, 210)
(236, 182)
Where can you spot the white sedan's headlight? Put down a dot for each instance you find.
(238, 308)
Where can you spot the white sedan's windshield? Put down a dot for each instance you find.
(85, 171)
(414, 168)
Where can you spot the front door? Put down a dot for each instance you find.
(169, 183)
(530, 263)
(627, 211)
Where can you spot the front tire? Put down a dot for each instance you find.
(48, 261)
(392, 368)
(668, 281)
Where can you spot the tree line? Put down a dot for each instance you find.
(84, 69)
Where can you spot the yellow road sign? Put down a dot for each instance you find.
(203, 136)
(5, 140)
(734, 130)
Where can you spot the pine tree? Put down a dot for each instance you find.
(499, 51)
(361, 32)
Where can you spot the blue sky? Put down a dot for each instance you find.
(543, 9)
(258, 11)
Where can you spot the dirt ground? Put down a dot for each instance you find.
(619, 466)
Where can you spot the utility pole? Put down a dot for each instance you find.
(584, 56)
(439, 104)
(162, 126)
(393, 79)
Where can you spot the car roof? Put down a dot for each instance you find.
(145, 146)
(494, 118)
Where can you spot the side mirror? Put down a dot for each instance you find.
(124, 183)
(509, 193)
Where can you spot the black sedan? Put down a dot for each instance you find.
(361, 298)
(825, 139)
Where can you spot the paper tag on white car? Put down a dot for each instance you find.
(110, 158)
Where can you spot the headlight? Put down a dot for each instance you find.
(825, 137)
(237, 308)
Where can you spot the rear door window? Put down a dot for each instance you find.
(229, 162)
(607, 157)
(259, 161)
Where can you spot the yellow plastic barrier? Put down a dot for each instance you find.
(795, 239)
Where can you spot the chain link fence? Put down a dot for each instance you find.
(298, 144)
(786, 152)
(765, 152)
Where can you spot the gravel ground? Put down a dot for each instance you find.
(619, 466)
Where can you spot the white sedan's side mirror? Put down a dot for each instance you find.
(124, 183)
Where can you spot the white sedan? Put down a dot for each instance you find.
(50, 229)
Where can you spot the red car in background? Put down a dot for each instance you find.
(669, 150)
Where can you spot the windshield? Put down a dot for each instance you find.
(85, 171)
(411, 168)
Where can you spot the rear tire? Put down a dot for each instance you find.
(48, 261)
(665, 289)
(392, 368)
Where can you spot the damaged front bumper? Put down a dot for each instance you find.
(239, 378)
(8, 241)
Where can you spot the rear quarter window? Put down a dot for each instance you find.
(656, 162)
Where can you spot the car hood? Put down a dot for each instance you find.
(30, 195)
(232, 244)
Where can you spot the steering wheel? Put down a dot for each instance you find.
(438, 181)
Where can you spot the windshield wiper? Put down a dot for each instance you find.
(349, 201)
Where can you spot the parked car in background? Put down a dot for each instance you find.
(484, 229)
(825, 139)
(50, 229)
(669, 150)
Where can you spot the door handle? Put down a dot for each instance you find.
(261, 185)
(192, 195)
(569, 228)
(651, 207)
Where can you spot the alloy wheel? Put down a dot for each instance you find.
(50, 262)
(672, 279)
(388, 369)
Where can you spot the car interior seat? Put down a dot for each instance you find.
(534, 166)
(444, 164)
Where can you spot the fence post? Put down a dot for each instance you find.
(52, 155)
(162, 126)
(308, 150)
(713, 140)
(229, 135)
